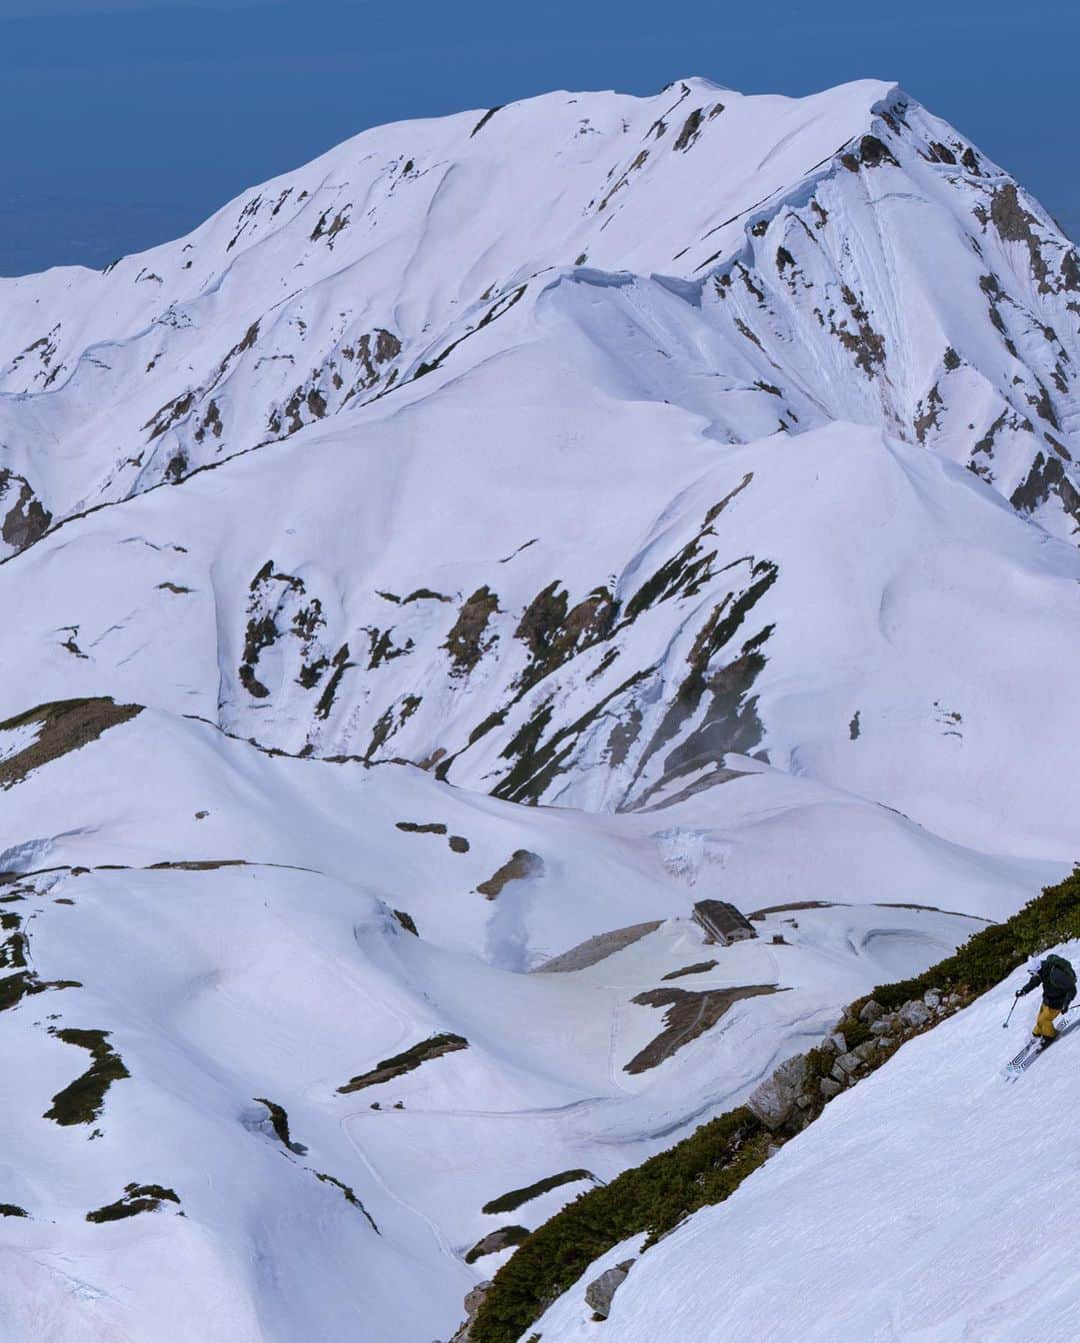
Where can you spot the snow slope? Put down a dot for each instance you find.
(504, 532)
(283, 975)
(930, 1202)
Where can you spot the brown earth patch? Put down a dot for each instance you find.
(521, 865)
(697, 969)
(688, 1016)
(66, 725)
(598, 948)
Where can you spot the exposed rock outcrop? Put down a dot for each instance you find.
(776, 1100)
(599, 1293)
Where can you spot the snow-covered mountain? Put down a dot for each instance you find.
(464, 553)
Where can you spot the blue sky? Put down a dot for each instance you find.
(127, 121)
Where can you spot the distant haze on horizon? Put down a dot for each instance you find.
(133, 120)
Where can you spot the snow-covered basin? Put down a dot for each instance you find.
(930, 1204)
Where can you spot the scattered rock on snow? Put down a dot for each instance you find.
(600, 1291)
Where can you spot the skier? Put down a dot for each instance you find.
(1058, 980)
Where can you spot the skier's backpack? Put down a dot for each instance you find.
(1060, 975)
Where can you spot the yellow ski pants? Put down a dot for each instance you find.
(1044, 1022)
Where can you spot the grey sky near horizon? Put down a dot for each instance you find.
(129, 121)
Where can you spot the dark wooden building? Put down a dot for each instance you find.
(722, 922)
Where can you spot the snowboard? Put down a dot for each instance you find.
(1017, 1066)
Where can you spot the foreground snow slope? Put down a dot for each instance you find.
(930, 1202)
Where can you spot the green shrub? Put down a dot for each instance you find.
(400, 1064)
(137, 1198)
(81, 1102)
(653, 1197)
(516, 1197)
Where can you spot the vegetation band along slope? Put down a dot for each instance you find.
(711, 1164)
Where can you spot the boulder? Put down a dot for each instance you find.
(599, 1292)
(777, 1097)
(848, 1062)
(866, 1050)
(871, 1011)
(932, 999)
(473, 1302)
(836, 1041)
(915, 1014)
(505, 1238)
(829, 1088)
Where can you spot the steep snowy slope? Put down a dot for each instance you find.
(832, 602)
(464, 554)
(931, 1202)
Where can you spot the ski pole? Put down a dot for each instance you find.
(1011, 1011)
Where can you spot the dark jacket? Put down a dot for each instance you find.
(1058, 980)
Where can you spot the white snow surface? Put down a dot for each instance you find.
(925, 1204)
(677, 493)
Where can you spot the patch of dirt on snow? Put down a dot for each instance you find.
(599, 948)
(521, 865)
(698, 969)
(688, 1016)
(65, 726)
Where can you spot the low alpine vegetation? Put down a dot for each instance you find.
(516, 1197)
(399, 1064)
(83, 1100)
(279, 1122)
(136, 1198)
